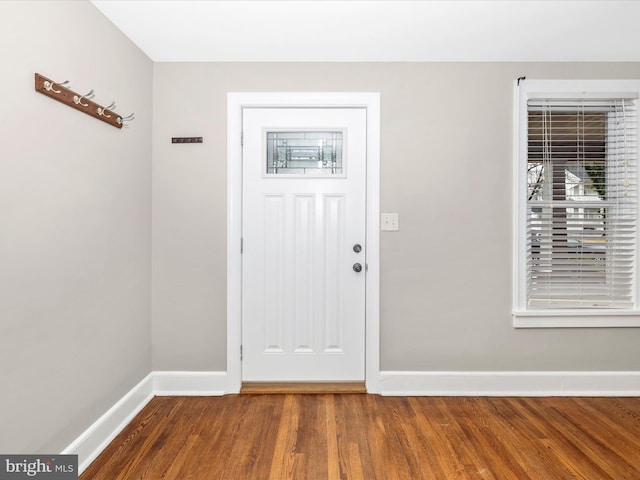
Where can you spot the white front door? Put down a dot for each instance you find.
(303, 229)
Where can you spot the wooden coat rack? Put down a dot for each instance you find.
(83, 103)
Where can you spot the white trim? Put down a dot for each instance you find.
(517, 280)
(96, 438)
(235, 103)
(574, 318)
(209, 384)
(514, 384)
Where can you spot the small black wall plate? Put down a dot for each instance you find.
(186, 139)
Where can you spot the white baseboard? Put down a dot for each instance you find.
(96, 438)
(206, 384)
(546, 384)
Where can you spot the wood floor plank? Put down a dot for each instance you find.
(589, 441)
(377, 430)
(606, 435)
(498, 457)
(412, 444)
(312, 440)
(614, 416)
(469, 461)
(353, 424)
(285, 447)
(368, 437)
(535, 411)
(533, 455)
(333, 467)
(444, 462)
(212, 434)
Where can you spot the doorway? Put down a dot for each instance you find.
(297, 218)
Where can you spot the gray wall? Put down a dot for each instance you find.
(77, 291)
(75, 197)
(446, 167)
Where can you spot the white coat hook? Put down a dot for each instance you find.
(49, 86)
(102, 110)
(128, 118)
(78, 99)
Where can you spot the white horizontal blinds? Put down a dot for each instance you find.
(581, 203)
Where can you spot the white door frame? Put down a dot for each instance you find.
(235, 103)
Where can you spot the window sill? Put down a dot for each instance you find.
(576, 319)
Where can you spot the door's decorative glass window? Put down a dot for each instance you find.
(305, 153)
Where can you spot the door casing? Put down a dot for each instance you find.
(236, 102)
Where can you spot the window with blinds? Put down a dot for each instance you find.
(581, 201)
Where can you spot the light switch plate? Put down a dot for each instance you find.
(389, 222)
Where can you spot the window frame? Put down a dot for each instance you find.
(523, 316)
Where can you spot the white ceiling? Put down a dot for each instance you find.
(358, 30)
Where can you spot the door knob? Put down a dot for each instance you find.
(357, 248)
(357, 267)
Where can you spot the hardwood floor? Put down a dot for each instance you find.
(355, 436)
